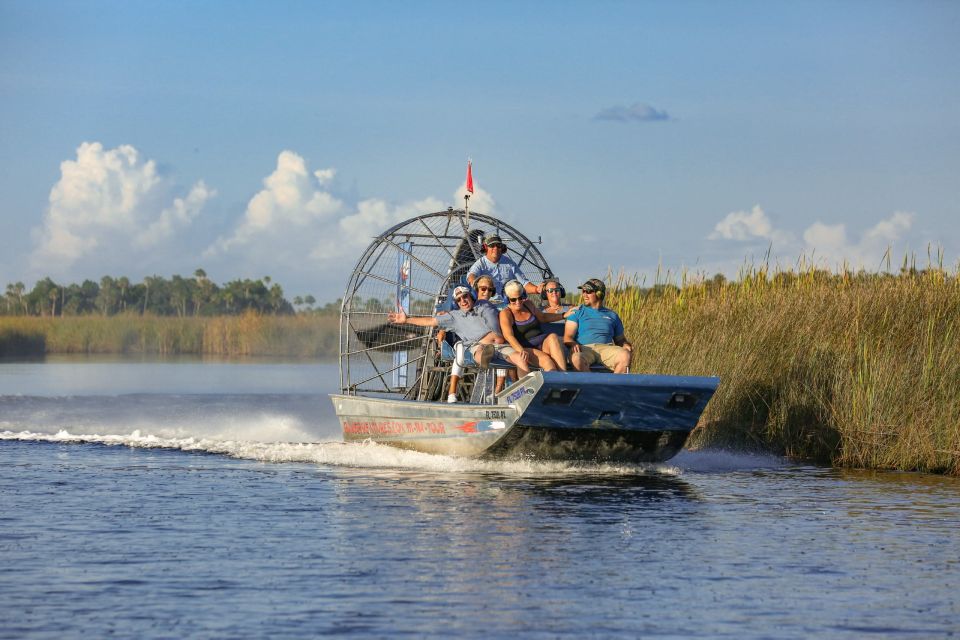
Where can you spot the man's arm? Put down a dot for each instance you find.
(402, 318)
(570, 335)
(619, 338)
(475, 271)
(518, 275)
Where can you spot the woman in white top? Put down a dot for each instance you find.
(552, 293)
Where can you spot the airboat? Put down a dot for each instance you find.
(393, 378)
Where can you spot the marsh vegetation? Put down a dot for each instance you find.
(852, 369)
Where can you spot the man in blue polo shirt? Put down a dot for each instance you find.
(478, 325)
(497, 265)
(595, 333)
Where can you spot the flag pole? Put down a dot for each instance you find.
(469, 190)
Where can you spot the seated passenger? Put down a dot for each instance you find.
(552, 293)
(520, 325)
(595, 333)
(501, 268)
(485, 289)
(477, 325)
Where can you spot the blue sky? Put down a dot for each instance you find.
(255, 138)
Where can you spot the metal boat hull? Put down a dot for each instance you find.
(545, 415)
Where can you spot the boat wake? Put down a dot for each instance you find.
(370, 455)
(288, 429)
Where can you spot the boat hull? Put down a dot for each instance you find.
(545, 415)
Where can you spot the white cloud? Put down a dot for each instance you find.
(325, 176)
(181, 214)
(825, 236)
(743, 225)
(106, 198)
(830, 244)
(290, 201)
(296, 226)
(372, 217)
(480, 200)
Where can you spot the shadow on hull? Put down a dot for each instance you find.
(595, 445)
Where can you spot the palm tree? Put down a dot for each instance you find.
(124, 284)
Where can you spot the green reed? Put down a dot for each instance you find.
(854, 369)
(309, 336)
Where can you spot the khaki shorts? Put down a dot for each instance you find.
(608, 354)
(502, 350)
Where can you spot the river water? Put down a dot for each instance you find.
(216, 500)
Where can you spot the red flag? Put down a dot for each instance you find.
(470, 176)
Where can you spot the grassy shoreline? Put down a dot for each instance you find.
(852, 370)
(301, 336)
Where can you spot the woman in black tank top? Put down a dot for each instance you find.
(533, 346)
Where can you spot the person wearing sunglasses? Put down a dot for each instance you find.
(495, 263)
(477, 325)
(485, 290)
(552, 293)
(593, 333)
(520, 324)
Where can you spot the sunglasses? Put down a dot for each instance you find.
(462, 298)
(514, 299)
(588, 290)
(502, 247)
(552, 290)
(485, 289)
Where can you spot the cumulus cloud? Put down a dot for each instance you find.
(828, 244)
(372, 217)
(297, 223)
(831, 245)
(179, 215)
(291, 199)
(480, 200)
(109, 198)
(749, 225)
(637, 112)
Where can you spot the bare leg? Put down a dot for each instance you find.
(623, 362)
(579, 361)
(540, 359)
(517, 359)
(554, 347)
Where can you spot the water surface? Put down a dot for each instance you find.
(215, 499)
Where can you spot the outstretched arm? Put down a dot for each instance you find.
(545, 316)
(402, 318)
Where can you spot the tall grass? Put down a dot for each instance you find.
(853, 369)
(312, 336)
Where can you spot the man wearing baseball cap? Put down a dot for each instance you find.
(595, 333)
(498, 266)
(477, 325)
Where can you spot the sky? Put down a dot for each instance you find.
(256, 139)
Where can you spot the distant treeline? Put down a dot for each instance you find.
(304, 335)
(158, 296)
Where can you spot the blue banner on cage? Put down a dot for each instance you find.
(403, 302)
